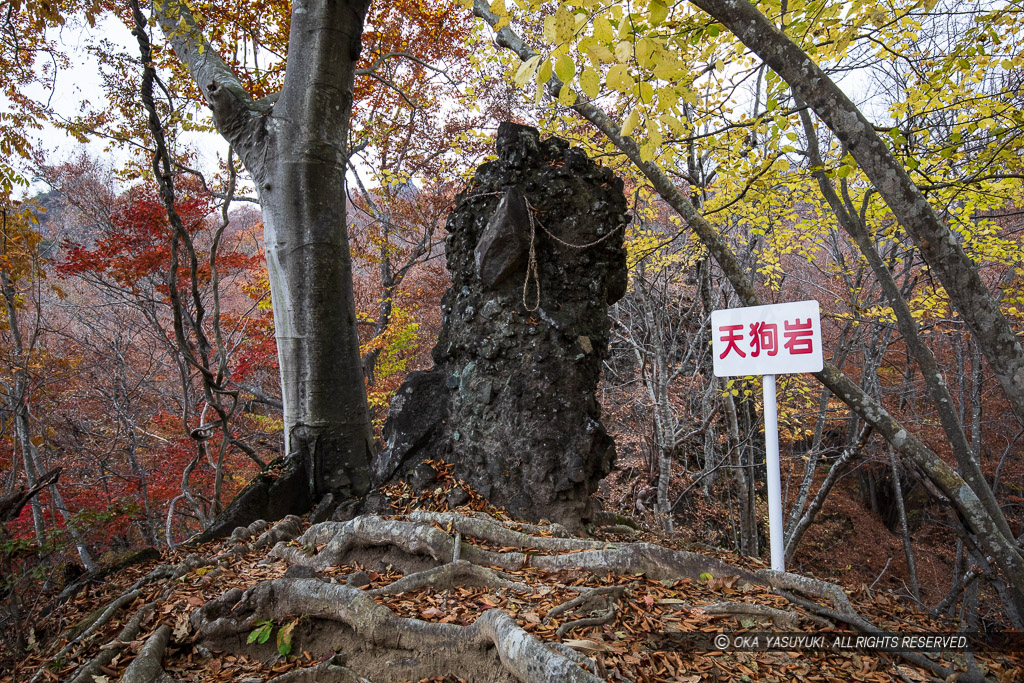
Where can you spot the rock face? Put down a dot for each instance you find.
(510, 400)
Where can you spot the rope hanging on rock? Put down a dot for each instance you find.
(531, 267)
(531, 264)
(532, 270)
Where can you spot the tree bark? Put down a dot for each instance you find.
(297, 152)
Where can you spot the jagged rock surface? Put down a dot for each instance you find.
(511, 400)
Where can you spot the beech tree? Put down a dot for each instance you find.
(296, 150)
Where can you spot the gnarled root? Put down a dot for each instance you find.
(490, 529)
(522, 655)
(450, 575)
(843, 611)
(602, 598)
(242, 534)
(147, 666)
(421, 538)
(331, 671)
(129, 633)
(285, 530)
(780, 618)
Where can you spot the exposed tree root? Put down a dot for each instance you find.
(420, 538)
(582, 660)
(331, 671)
(812, 587)
(605, 518)
(605, 617)
(242, 534)
(116, 605)
(285, 530)
(522, 655)
(493, 531)
(421, 648)
(131, 630)
(147, 666)
(844, 612)
(602, 598)
(107, 653)
(145, 555)
(554, 528)
(453, 574)
(589, 599)
(780, 618)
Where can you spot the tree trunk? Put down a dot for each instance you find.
(939, 247)
(297, 151)
(908, 548)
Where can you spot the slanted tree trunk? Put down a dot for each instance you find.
(296, 150)
(939, 247)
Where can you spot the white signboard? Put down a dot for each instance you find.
(767, 340)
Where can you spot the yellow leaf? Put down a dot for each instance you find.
(631, 122)
(564, 24)
(590, 82)
(645, 51)
(659, 11)
(624, 50)
(565, 69)
(544, 73)
(646, 92)
(527, 70)
(646, 152)
(654, 133)
(566, 97)
(601, 52)
(603, 30)
(549, 28)
(618, 78)
(673, 124)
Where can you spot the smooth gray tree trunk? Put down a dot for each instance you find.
(296, 150)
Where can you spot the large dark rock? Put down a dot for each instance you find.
(416, 419)
(511, 398)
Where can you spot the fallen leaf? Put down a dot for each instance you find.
(591, 645)
(182, 627)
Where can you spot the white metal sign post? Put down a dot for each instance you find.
(768, 340)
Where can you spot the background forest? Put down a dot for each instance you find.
(141, 361)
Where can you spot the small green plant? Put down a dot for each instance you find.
(261, 633)
(265, 627)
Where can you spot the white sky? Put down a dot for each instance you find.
(66, 91)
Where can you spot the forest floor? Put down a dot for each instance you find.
(390, 599)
